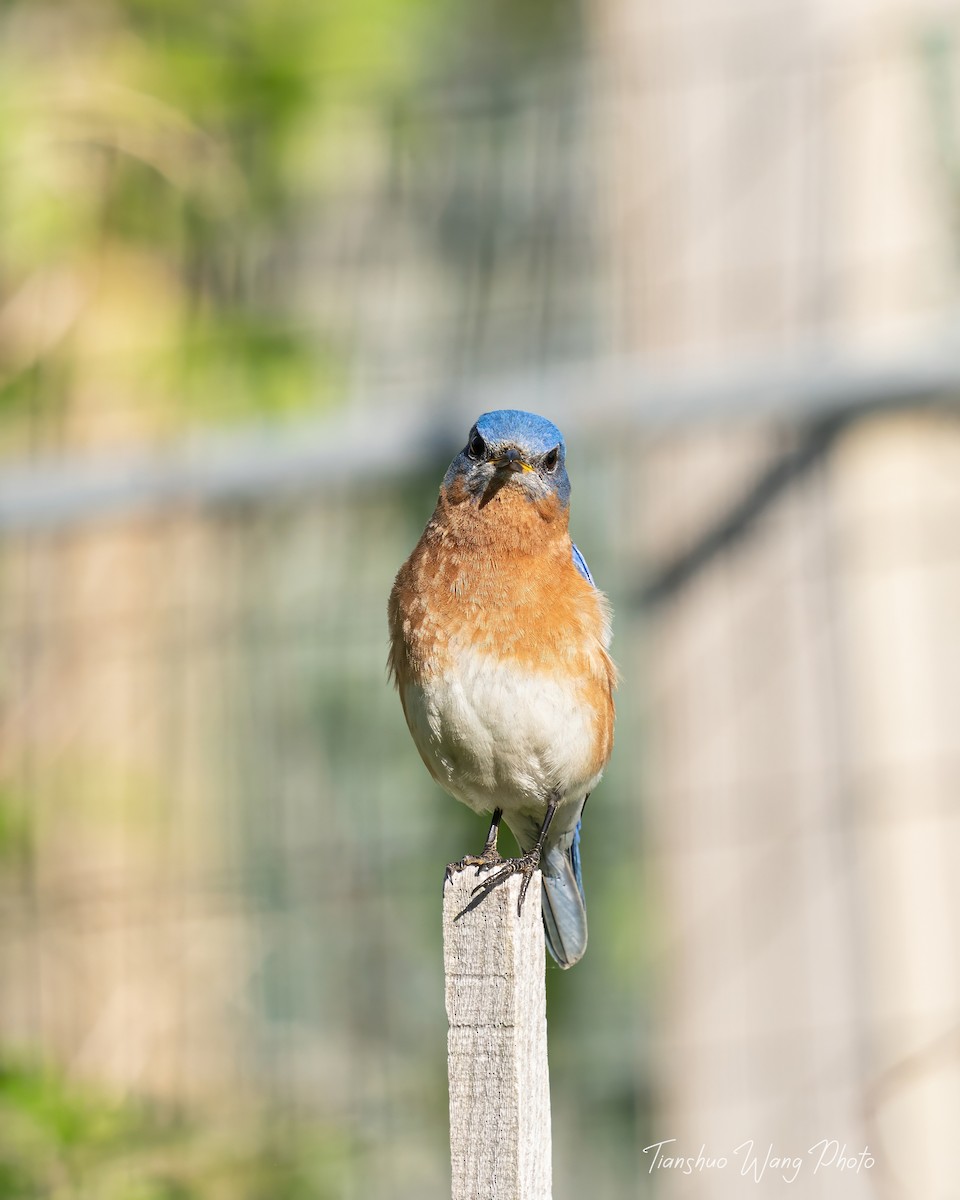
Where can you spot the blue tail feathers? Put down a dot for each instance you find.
(564, 910)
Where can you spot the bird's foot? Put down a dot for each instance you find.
(489, 857)
(526, 865)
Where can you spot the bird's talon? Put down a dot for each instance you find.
(487, 859)
(525, 865)
(523, 888)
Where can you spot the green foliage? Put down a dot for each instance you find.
(237, 365)
(54, 1136)
(15, 829)
(67, 1140)
(64, 1117)
(160, 163)
(154, 158)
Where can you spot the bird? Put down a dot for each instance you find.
(499, 648)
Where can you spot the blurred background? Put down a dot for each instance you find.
(261, 265)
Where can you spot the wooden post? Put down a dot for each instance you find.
(497, 1042)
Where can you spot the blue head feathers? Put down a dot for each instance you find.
(526, 431)
(509, 444)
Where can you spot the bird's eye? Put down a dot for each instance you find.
(476, 447)
(551, 459)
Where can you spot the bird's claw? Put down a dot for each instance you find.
(526, 865)
(488, 859)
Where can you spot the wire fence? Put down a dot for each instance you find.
(728, 277)
(222, 864)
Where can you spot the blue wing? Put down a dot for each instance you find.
(581, 564)
(564, 911)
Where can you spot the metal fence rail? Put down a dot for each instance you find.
(409, 433)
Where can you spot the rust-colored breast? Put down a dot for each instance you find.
(500, 580)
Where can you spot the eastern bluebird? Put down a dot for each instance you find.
(499, 650)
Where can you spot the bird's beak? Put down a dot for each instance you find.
(511, 460)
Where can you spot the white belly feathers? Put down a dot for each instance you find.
(496, 735)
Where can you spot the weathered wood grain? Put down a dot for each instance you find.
(497, 1042)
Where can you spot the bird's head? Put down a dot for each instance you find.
(508, 448)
